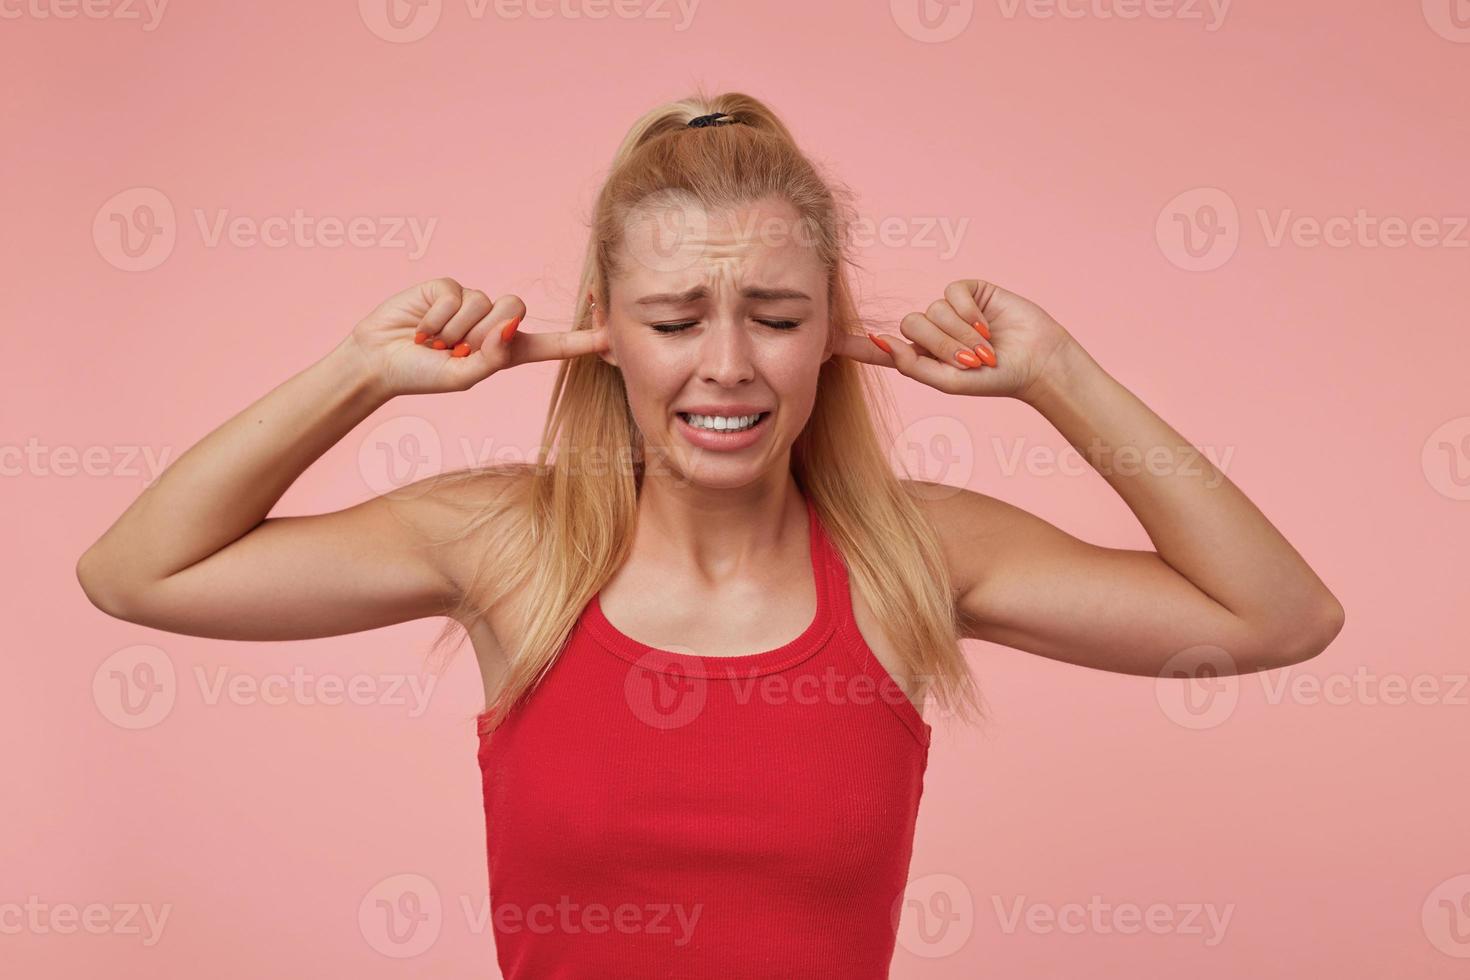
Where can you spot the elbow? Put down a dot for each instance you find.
(97, 589)
(1305, 638)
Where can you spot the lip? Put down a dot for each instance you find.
(723, 442)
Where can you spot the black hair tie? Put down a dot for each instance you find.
(713, 119)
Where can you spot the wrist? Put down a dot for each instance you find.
(356, 374)
(1058, 375)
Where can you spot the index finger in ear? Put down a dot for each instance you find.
(558, 345)
(860, 347)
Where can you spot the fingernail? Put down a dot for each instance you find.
(420, 337)
(982, 329)
(882, 344)
(460, 350)
(986, 355)
(508, 331)
(438, 344)
(967, 359)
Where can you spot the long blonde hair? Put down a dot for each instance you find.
(568, 527)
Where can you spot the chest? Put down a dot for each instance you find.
(686, 628)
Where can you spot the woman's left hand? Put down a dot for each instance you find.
(978, 339)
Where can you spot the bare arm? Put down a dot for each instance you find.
(1222, 574)
(196, 552)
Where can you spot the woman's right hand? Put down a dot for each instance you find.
(439, 336)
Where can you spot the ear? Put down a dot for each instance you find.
(599, 320)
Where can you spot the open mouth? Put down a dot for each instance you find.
(723, 423)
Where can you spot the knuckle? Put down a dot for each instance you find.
(938, 308)
(510, 304)
(910, 324)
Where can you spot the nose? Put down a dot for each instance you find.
(725, 354)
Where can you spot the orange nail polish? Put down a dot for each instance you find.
(420, 337)
(986, 355)
(460, 350)
(982, 329)
(508, 331)
(438, 344)
(967, 359)
(882, 344)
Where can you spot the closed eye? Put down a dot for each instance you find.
(686, 324)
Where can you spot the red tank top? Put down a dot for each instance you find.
(652, 813)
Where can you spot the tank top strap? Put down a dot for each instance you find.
(847, 642)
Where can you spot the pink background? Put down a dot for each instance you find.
(1326, 823)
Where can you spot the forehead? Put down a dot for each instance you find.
(672, 245)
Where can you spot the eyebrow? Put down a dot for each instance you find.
(702, 292)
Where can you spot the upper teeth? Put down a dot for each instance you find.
(722, 423)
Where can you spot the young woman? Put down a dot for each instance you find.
(710, 614)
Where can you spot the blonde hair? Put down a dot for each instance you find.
(564, 528)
